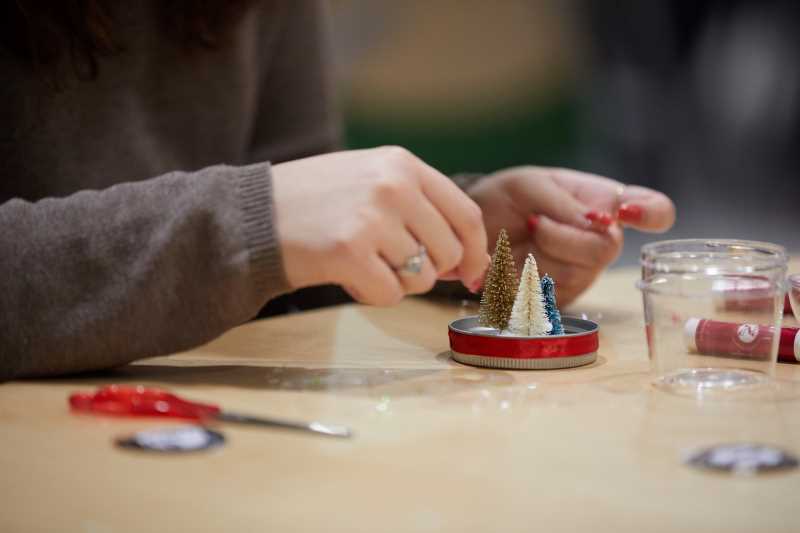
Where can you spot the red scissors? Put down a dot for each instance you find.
(124, 400)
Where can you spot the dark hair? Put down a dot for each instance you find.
(43, 32)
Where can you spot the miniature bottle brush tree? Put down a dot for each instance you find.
(500, 286)
(527, 308)
(528, 317)
(550, 307)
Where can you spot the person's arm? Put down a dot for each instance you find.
(101, 278)
(296, 116)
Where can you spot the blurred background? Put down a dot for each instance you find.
(699, 99)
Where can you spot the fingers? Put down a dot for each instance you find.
(353, 217)
(450, 275)
(638, 207)
(537, 191)
(376, 284)
(431, 229)
(646, 209)
(574, 257)
(466, 220)
(401, 249)
(571, 245)
(571, 279)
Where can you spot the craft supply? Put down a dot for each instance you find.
(500, 287)
(794, 294)
(528, 317)
(689, 278)
(476, 345)
(712, 337)
(142, 401)
(550, 306)
(519, 325)
(742, 459)
(173, 440)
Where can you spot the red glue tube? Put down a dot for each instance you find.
(711, 337)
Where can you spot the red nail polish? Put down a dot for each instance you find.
(631, 213)
(533, 223)
(476, 285)
(599, 219)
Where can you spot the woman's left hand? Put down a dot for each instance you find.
(571, 221)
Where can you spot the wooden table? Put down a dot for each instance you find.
(439, 446)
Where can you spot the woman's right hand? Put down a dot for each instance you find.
(353, 218)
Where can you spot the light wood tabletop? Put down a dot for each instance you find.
(438, 446)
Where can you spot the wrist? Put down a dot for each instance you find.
(254, 188)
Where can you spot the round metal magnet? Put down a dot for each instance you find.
(173, 440)
(742, 458)
(480, 346)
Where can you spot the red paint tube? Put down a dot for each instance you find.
(711, 337)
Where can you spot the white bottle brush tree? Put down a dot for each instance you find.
(528, 316)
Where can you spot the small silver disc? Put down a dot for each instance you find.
(742, 458)
(173, 440)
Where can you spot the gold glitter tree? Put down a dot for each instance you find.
(500, 287)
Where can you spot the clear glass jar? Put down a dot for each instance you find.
(713, 311)
(794, 294)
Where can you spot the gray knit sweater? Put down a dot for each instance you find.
(136, 213)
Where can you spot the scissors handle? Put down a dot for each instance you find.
(140, 401)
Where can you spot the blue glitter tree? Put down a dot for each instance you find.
(550, 308)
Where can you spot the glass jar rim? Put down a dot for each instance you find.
(654, 256)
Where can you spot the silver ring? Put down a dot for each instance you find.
(413, 263)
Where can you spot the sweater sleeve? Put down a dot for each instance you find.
(101, 278)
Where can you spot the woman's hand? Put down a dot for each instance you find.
(353, 218)
(570, 220)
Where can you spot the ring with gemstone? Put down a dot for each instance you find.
(413, 264)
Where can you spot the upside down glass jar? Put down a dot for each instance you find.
(713, 311)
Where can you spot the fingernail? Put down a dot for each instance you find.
(476, 285)
(450, 275)
(533, 223)
(630, 213)
(599, 219)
